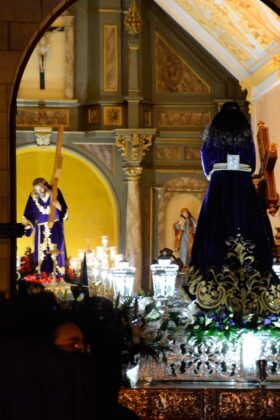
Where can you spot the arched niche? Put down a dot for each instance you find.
(93, 208)
(172, 213)
(171, 197)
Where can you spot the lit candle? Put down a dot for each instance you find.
(104, 241)
(81, 253)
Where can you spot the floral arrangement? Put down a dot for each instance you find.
(143, 332)
(27, 270)
(150, 331)
(222, 323)
(27, 264)
(71, 275)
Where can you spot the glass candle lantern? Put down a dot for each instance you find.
(123, 279)
(164, 278)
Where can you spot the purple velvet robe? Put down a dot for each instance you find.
(230, 207)
(47, 240)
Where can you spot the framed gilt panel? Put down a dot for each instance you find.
(110, 58)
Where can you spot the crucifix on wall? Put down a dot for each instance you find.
(43, 51)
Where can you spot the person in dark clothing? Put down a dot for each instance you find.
(100, 325)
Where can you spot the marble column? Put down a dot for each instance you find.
(134, 144)
(69, 56)
(133, 25)
(133, 224)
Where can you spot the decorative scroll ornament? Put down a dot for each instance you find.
(134, 147)
(133, 22)
(238, 284)
(43, 135)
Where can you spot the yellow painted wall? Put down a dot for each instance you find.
(92, 207)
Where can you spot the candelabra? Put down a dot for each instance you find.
(108, 274)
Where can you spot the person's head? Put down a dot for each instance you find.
(229, 126)
(185, 213)
(69, 337)
(40, 185)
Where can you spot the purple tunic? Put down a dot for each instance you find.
(47, 239)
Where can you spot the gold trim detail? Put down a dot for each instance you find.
(134, 147)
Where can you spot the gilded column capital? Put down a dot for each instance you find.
(133, 146)
(133, 173)
(133, 22)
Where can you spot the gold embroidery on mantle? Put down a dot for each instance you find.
(238, 284)
(173, 74)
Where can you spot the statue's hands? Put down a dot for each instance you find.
(181, 222)
(57, 205)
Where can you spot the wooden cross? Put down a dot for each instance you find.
(268, 157)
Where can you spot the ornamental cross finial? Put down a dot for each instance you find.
(133, 22)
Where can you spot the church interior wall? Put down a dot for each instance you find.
(177, 114)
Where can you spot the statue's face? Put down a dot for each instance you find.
(185, 214)
(39, 189)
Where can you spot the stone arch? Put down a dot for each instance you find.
(23, 27)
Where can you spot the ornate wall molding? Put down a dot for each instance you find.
(111, 65)
(173, 73)
(41, 117)
(167, 153)
(241, 34)
(182, 119)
